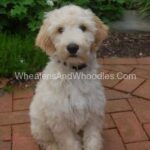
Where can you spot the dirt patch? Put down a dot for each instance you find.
(132, 44)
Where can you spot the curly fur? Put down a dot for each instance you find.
(62, 108)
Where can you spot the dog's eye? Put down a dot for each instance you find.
(60, 30)
(83, 28)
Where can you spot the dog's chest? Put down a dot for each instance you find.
(80, 99)
(74, 101)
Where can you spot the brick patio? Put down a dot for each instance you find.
(127, 123)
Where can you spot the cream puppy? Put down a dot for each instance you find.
(62, 107)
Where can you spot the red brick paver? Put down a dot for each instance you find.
(127, 119)
(144, 67)
(143, 90)
(117, 106)
(111, 82)
(5, 145)
(142, 73)
(112, 140)
(113, 94)
(20, 93)
(120, 61)
(141, 108)
(6, 103)
(109, 123)
(5, 133)
(22, 104)
(144, 61)
(139, 146)
(128, 85)
(119, 68)
(147, 129)
(129, 127)
(22, 138)
(14, 117)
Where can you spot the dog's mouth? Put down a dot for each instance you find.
(75, 60)
(73, 55)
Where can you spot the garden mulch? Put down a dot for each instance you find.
(126, 44)
(127, 122)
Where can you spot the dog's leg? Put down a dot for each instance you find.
(92, 135)
(43, 135)
(65, 138)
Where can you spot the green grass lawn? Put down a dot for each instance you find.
(19, 54)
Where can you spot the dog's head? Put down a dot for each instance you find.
(71, 34)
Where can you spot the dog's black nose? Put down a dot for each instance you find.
(72, 48)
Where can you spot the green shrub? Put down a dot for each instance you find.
(21, 15)
(18, 54)
(144, 7)
(26, 15)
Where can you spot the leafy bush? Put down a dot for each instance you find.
(17, 15)
(18, 54)
(107, 10)
(26, 15)
(144, 7)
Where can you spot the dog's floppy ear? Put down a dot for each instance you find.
(101, 33)
(43, 39)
